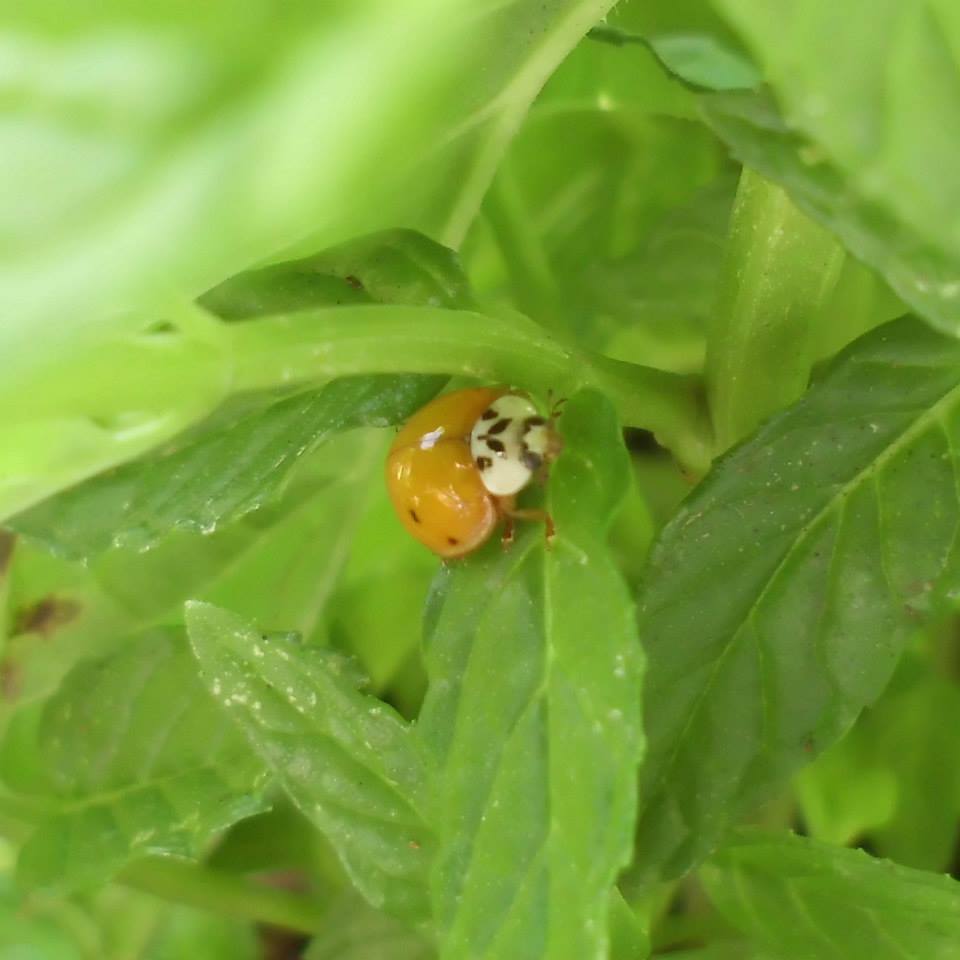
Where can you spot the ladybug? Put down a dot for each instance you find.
(455, 468)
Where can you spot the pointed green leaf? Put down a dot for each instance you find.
(705, 61)
(801, 898)
(532, 719)
(779, 598)
(129, 757)
(220, 475)
(345, 758)
(394, 266)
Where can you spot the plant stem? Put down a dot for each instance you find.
(780, 268)
(183, 882)
(314, 345)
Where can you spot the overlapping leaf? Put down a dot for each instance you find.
(148, 156)
(867, 145)
(532, 720)
(238, 464)
(778, 599)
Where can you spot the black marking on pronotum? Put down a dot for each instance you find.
(499, 426)
(413, 515)
(495, 445)
(531, 460)
(484, 463)
(532, 422)
(488, 414)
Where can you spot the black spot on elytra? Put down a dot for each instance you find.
(453, 541)
(533, 422)
(499, 426)
(413, 515)
(488, 414)
(484, 463)
(496, 445)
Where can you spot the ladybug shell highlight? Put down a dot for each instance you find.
(432, 478)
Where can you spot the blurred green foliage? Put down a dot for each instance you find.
(243, 714)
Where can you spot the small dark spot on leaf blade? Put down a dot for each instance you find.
(46, 615)
(8, 541)
(10, 680)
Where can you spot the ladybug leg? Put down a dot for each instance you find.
(512, 513)
(505, 507)
(506, 540)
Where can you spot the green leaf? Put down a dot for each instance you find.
(395, 266)
(532, 719)
(223, 472)
(628, 933)
(386, 563)
(662, 296)
(278, 564)
(149, 155)
(220, 475)
(779, 271)
(355, 931)
(129, 757)
(735, 950)
(140, 140)
(921, 270)
(101, 396)
(779, 598)
(346, 759)
(705, 61)
(192, 933)
(608, 149)
(806, 899)
(701, 60)
(848, 789)
(33, 938)
(891, 778)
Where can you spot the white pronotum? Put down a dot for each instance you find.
(509, 443)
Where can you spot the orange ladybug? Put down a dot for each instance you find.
(455, 468)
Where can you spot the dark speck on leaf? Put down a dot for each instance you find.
(45, 616)
(7, 543)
